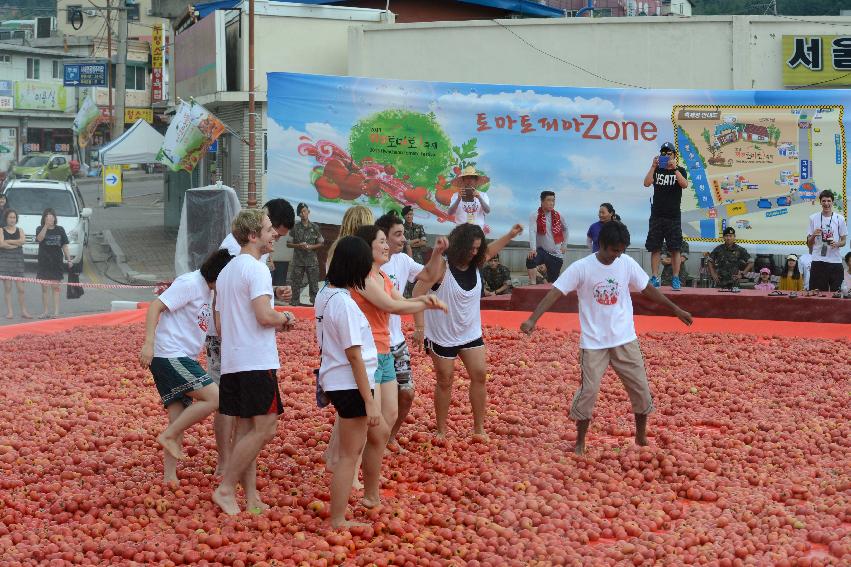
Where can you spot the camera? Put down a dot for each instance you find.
(664, 160)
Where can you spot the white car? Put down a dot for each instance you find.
(30, 197)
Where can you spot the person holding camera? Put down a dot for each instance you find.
(826, 236)
(729, 262)
(668, 180)
(469, 205)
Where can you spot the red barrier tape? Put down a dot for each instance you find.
(86, 285)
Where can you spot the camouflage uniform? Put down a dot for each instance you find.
(305, 262)
(668, 269)
(416, 231)
(727, 262)
(494, 278)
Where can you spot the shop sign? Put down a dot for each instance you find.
(7, 95)
(62, 148)
(32, 95)
(31, 147)
(131, 115)
(810, 60)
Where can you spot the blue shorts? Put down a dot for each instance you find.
(386, 371)
(175, 377)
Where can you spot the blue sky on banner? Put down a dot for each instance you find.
(584, 169)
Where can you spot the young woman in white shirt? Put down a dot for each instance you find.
(459, 331)
(603, 282)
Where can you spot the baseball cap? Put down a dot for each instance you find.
(729, 230)
(792, 257)
(765, 271)
(668, 147)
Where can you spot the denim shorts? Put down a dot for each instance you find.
(386, 371)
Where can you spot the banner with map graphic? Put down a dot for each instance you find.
(756, 160)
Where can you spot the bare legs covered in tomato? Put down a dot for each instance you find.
(406, 400)
(204, 402)
(261, 430)
(444, 368)
(641, 429)
(475, 361)
(351, 437)
(169, 462)
(223, 427)
(582, 430)
(253, 503)
(390, 404)
(376, 442)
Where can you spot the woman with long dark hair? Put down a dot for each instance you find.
(605, 214)
(12, 239)
(53, 257)
(790, 278)
(458, 333)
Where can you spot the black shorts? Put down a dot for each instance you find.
(451, 352)
(250, 393)
(553, 263)
(669, 231)
(825, 276)
(348, 403)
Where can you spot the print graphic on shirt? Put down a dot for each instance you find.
(665, 178)
(606, 293)
(205, 314)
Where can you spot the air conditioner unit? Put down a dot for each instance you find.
(90, 13)
(43, 27)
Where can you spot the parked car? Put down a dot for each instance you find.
(43, 166)
(31, 196)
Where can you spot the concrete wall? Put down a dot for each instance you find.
(701, 52)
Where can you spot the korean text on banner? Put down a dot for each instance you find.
(190, 133)
(755, 159)
(86, 121)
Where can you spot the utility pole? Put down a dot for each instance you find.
(110, 83)
(252, 182)
(120, 71)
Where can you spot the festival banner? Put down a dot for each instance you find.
(190, 133)
(756, 160)
(86, 121)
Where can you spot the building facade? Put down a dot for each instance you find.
(36, 109)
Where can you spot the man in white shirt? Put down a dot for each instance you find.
(282, 216)
(402, 269)
(826, 236)
(603, 282)
(547, 239)
(175, 326)
(469, 205)
(247, 321)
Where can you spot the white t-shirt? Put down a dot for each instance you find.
(605, 306)
(833, 228)
(546, 240)
(470, 212)
(232, 246)
(805, 261)
(181, 330)
(246, 345)
(401, 269)
(343, 326)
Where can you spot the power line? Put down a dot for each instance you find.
(565, 61)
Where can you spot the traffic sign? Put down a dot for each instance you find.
(85, 74)
(112, 185)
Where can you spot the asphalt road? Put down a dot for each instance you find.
(141, 208)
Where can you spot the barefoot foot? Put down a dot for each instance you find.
(226, 501)
(394, 447)
(579, 449)
(346, 524)
(255, 505)
(171, 446)
(641, 441)
(370, 502)
(357, 484)
(169, 478)
(481, 438)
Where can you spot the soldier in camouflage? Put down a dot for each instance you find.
(729, 262)
(305, 239)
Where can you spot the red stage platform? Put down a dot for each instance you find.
(700, 302)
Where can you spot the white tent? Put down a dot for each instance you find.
(139, 144)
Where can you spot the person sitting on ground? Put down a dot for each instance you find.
(764, 282)
(603, 282)
(605, 214)
(667, 270)
(791, 278)
(729, 262)
(497, 278)
(175, 327)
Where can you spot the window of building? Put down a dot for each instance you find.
(132, 12)
(135, 78)
(71, 11)
(57, 70)
(33, 68)
(5, 58)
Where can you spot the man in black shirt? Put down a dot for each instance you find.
(668, 180)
